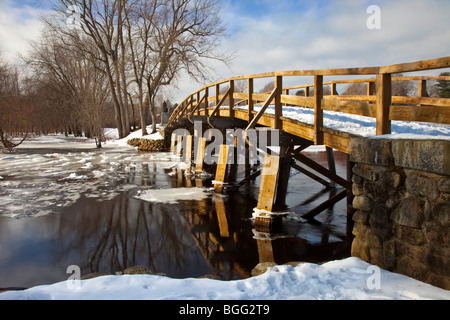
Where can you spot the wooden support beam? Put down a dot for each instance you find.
(311, 175)
(200, 153)
(251, 177)
(188, 152)
(221, 171)
(268, 185)
(284, 173)
(322, 170)
(179, 147)
(197, 107)
(384, 101)
(173, 142)
(220, 103)
(325, 205)
(331, 161)
(263, 109)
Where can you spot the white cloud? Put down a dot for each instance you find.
(411, 30)
(287, 34)
(17, 27)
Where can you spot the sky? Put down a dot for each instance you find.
(278, 35)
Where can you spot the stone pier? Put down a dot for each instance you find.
(402, 198)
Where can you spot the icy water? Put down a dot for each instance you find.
(104, 210)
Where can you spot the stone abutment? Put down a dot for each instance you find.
(401, 191)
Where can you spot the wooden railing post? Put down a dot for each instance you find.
(422, 88)
(371, 88)
(318, 112)
(278, 105)
(286, 92)
(384, 100)
(206, 100)
(231, 99)
(217, 94)
(198, 103)
(250, 99)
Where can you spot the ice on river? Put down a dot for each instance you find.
(51, 172)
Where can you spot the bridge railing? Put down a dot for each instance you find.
(377, 102)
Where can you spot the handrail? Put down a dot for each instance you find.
(378, 102)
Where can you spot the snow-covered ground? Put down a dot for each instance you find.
(349, 279)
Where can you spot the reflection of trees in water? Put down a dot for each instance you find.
(111, 236)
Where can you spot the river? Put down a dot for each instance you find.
(66, 203)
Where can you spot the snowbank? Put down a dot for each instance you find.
(138, 134)
(351, 279)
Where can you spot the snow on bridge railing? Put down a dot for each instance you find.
(377, 102)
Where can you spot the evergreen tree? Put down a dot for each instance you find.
(444, 86)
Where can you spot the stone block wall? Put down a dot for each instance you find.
(402, 198)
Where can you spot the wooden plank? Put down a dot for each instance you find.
(318, 111)
(439, 102)
(351, 98)
(260, 97)
(268, 185)
(417, 66)
(352, 107)
(421, 113)
(307, 102)
(221, 168)
(336, 140)
(200, 153)
(384, 101)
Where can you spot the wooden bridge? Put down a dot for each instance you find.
(221, 105)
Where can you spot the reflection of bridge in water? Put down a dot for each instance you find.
(232, 245)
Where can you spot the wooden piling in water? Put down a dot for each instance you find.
(221, 171)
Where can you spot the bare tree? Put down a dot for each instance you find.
(79, 85)
(15, 109)
(176, 35)
(156, 39)
(102, 21)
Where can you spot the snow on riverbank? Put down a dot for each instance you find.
(350, 279)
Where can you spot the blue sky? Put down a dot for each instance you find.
(269, 35)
